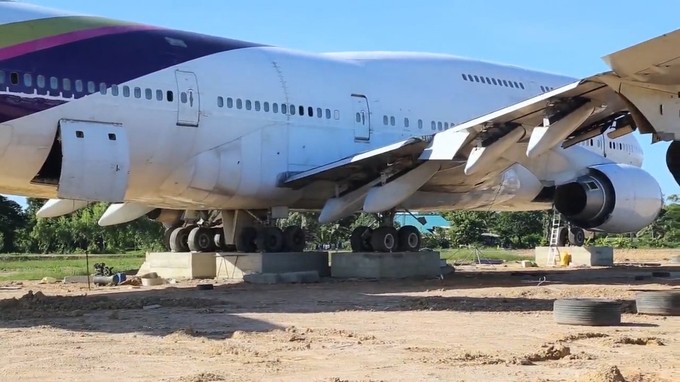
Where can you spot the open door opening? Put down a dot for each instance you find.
(50, 172)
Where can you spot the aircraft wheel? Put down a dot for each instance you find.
(562, 236)
(360, 240)
(201, 239)
(409, 239)
(577, 237)
(245, 240)
(294, 239)
(166, 238)
(384, 239)
(269, 239)
(179, 239)
(219, 239)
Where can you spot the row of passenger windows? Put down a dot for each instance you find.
(90, 87)
(546, 89)
(392, 121)
(283, 108)
(612, 145)
(493, 81)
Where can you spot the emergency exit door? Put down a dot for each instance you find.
(188, 100)
(362, 118)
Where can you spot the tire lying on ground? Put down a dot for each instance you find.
(589, 312)
(663, 303)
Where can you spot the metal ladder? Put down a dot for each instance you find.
(554, 250)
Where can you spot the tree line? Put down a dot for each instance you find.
(22, 232)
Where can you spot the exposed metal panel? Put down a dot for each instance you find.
(95, 161)
(188, 100)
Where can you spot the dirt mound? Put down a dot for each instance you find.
(202, 377)
(608, 374)
(552, 352)
(582, 336)
(38, 305)
(639, 341)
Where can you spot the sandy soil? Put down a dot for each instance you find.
(472, 326)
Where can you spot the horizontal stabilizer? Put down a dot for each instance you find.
(59, 207)
(120, 213)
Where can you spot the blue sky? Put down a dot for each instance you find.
(561, 37)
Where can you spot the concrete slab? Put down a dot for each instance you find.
(180, 265)
(580, 256)
(395, 265)
(232, 265)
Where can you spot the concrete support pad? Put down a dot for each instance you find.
(395, 265)
(580, 256)
(180, 265)
(233, 265)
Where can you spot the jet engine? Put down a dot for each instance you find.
(615, 198)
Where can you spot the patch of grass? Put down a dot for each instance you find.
(463, 254)
(27, 267)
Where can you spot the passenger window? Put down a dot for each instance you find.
(159, 95)
(494, 81)
(114, 90)
(170, 96)
(482, 78)
(239, 104)
(310, 111)
(91, 87)
(103, 89)
(292, 109)
(328, 113)
(275, 108)
(434, 126)
(182, 97)
(464, 77)
(112, 137)
(420, 123)
(126, 91)
(476, 79)
(40, 81)
(138, 94)
(319, 112)
(28, 80)
(336, 114)
(511, 85)
(521, 85)
(2, 77)
(230, 103)
(220, 102)
(446, 125)
(257, 106)
(266, 107)
(439, 126)
(505, 83)
(301, 111)
(14, 78)
(79, 86)
(54, 83)
(284, 108)
(516, 85)
(392, 121)
(406, 122)
(358, 117)
(385, 120)
(148, 93)
(249, 105)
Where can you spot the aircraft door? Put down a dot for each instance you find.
(362, 118)
(188, 100)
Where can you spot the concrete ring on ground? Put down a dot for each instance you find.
(588, 312)
(662, 303)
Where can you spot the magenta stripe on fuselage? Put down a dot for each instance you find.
(66, 38)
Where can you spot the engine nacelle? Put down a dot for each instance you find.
(615, 198)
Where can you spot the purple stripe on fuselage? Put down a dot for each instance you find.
(108, 59)
(66, 38)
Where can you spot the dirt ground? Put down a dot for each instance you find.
(478, 324)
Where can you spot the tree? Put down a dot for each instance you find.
(12, 221)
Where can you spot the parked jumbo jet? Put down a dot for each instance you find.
(218, 138)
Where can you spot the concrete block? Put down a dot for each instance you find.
(395, 265)
(231, 265)
(261, 278)
(580, 256)
(181, 265)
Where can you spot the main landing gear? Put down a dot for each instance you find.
(571, 235)
(386, 238)
(271, 239)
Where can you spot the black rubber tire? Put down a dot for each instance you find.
(409, 239)
(294, 239)
(385, 239)
(662, 303)
(360, 240)
(201, 239)
(166, 238)
(245, 240)
(269, 239)
(218, 239)
(588, 312)
(577, 236)
(562, 236)
(179, 239)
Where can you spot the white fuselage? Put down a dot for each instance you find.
(219, 131)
